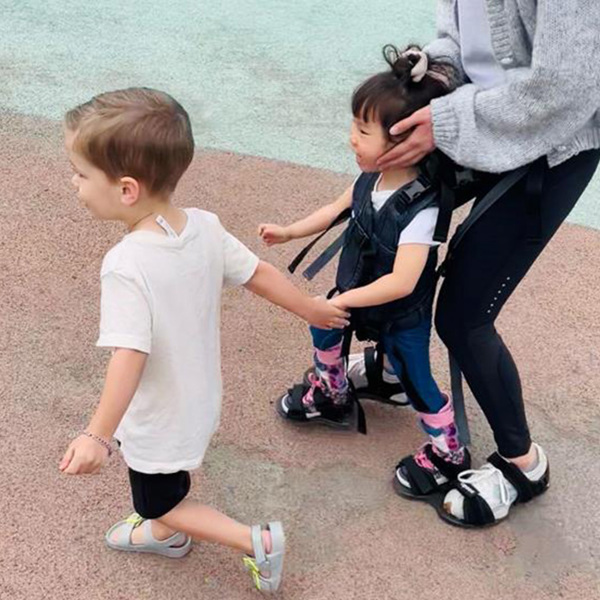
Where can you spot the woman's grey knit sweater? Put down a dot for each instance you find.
(550, 102)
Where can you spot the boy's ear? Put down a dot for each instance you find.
(130, 190)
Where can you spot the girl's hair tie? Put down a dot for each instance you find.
(420, 63)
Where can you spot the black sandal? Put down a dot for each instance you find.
(423, 485)
(346, 416)
(477, 512)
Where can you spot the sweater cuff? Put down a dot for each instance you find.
(445, 126)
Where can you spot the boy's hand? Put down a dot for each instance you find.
(326, 315)
(84, 455)
(273, 234)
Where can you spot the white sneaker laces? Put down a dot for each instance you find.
(487, 474)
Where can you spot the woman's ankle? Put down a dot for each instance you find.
(527, 461)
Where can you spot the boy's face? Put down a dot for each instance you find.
(369, 142)
(95, 190)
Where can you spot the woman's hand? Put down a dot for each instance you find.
(273, 234)
(416, 146)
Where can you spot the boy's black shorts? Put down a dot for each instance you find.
(154, 495)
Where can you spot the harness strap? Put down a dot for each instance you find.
(447, 199)
(534, 188)
(324, 258)
(458, 401)
(497, 192)
(343, 216)
(374, 365)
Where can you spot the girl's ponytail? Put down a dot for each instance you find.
(400, 64)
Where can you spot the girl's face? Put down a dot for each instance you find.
(369, 142)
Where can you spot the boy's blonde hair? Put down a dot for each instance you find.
(136, 132)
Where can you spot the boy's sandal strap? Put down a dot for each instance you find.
(526, 489)
(257, 544)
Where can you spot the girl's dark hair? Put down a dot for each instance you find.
(392, 96)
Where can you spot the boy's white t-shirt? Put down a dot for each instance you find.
(162, 296)
(420, 230)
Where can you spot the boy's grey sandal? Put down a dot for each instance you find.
(176, 546)
(266, 569)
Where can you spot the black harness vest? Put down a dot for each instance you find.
(369, 252)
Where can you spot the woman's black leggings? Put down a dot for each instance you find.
(485, 269)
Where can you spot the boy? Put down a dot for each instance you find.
(160, 311)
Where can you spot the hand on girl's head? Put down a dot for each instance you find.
(418, 144)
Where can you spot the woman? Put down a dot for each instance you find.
(531, 89)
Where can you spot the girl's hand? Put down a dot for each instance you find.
(338, 302)
(84, 455)
(416, 146)
(273, 234)
(325, 315)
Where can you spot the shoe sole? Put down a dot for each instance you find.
(170, 552)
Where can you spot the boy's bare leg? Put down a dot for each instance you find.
(202, 522)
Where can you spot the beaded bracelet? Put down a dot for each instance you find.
(100, 441)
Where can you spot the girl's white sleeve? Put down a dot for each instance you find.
(420, 230)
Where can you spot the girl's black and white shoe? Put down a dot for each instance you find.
(483, 497)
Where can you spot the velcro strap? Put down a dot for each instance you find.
(525, 488)
(475, 509)
(421, 480)
(324, 258)
(343, 216)
(446, 468)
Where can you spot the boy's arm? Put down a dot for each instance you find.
(272, 285)
(314, 223)
(408, 266)
(86, 455)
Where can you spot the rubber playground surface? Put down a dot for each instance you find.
(267, 86)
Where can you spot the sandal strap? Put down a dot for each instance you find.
(420, 479)
(257, 545)
(448, 469)
(125, 528)
(526, 489)
(476, 510)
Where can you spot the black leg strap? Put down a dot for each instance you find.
(526, 489)
(374, 366)
(361, 423)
